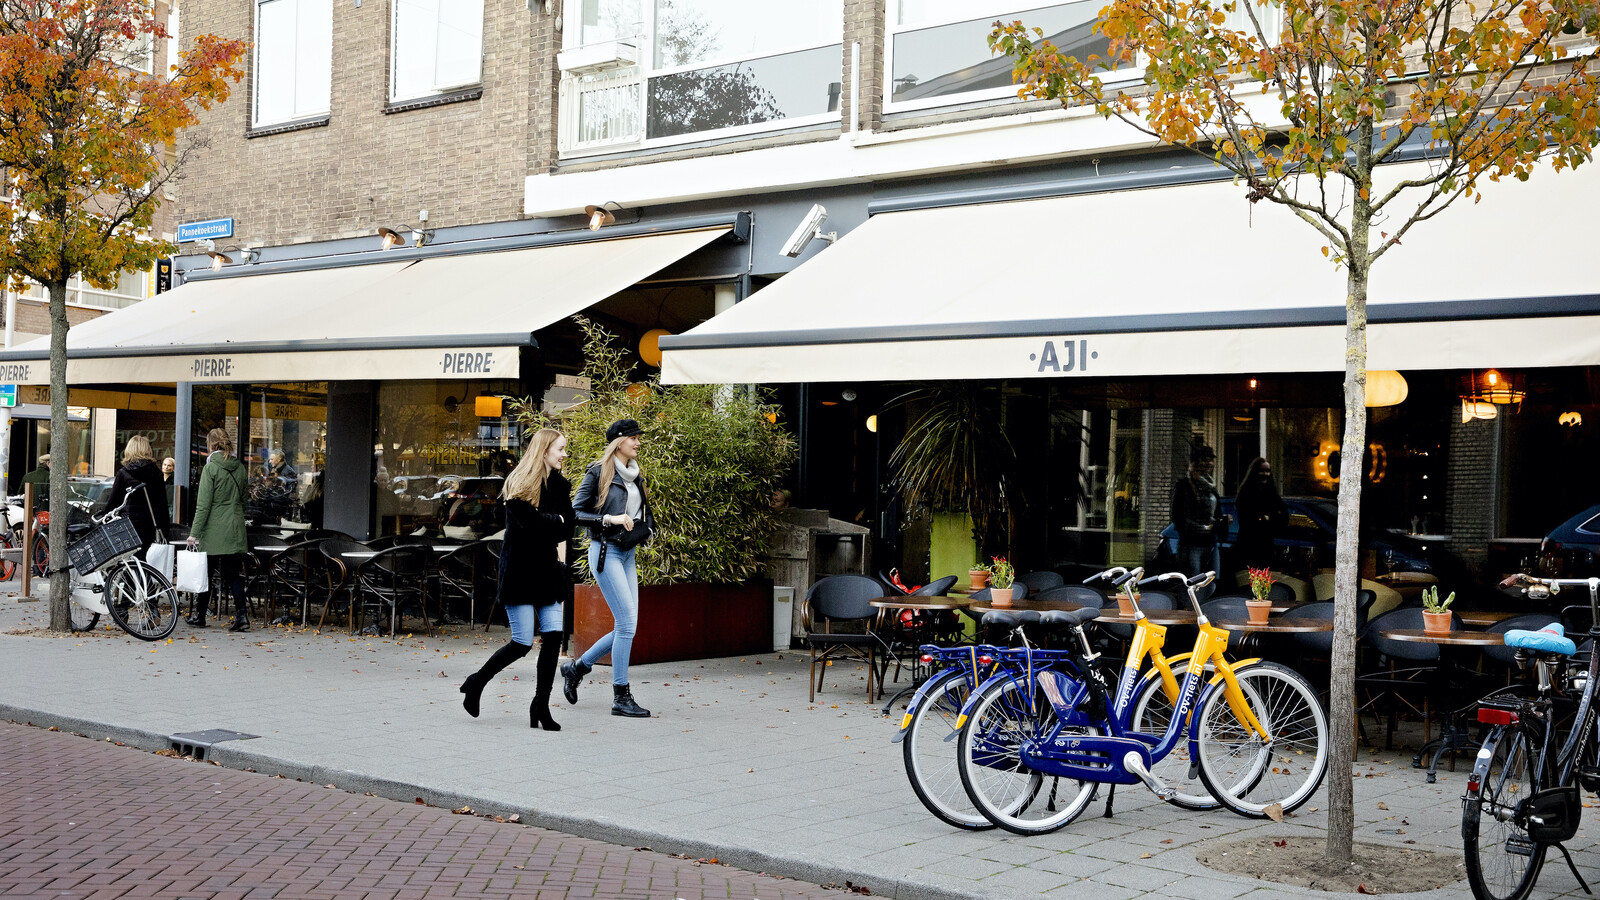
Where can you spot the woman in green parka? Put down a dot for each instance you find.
(218, 526)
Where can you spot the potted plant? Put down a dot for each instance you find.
(1436, 613)
(979, 576)
(1001, 577)
(1260, 602)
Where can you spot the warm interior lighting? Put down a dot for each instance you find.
(1571, 418)
(872, 424)
(489, 407)
(650, 346)
(1494, 387)
(1477, 409)
(1386, 388)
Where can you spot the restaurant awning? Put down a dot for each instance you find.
(449, 317)
(1184, 280)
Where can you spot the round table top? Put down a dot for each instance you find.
(1449, 638)
(358, 554)
(1486, 617)
(1277, 626)
(926, 604)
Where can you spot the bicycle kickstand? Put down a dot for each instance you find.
(1574, 867)
(1110, 796)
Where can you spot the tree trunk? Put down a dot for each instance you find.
(61, 460)
(1352, 469)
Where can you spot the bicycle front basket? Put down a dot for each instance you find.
(102, 545)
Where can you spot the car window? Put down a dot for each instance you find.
(1591, 527)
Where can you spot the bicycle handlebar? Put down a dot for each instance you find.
(1130, 575)
(112, 514)
(1115, 574)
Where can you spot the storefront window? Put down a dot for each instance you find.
(280, 434)
(443, 451)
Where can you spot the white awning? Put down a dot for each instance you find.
(450, 317)
(1183, 280)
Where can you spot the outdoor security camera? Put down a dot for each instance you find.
(810, 227)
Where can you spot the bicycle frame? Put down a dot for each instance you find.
(964, 662)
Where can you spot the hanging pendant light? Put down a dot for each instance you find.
(1386, 388)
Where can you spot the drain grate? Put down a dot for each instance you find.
(197, 743)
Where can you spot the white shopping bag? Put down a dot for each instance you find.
(163, 557)
(192, 572)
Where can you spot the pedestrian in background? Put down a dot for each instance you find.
(40, 479)
(612, 503)
(1197, 512)
(218, 527)
(148, 513)
(534, 578)
(1262, 515)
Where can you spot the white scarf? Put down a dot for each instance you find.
(629, 473)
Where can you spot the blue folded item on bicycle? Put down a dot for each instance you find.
(1549, 639)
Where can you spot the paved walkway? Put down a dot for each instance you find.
(93, 820)
(736, 764)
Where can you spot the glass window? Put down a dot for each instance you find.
(439, 466)
(294, 59)
(280, 435)
(708, 66)
(131, 287)
(933, 57)
(438, 46)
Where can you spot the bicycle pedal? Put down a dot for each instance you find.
(1519, 846)
(1589, 776)
(1166, 794)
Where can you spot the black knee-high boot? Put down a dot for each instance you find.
(545, 668)
(473, 686)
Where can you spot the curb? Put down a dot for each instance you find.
(229, 755)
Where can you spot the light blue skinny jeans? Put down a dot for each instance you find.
(620, 585)
(529, 621)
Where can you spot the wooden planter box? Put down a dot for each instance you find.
(682, 621)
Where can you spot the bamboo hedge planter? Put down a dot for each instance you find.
(682, 621)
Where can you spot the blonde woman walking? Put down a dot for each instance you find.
(534, 578)
(612, 503)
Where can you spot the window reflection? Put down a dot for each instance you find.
(695, 31)
(280, 432)
(439, 466)
(955, 58)
(758, 90)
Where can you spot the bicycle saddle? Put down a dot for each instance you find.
(1549, 639)
(1003, 619)
(1060, 617)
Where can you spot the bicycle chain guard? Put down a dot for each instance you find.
(1557, 810)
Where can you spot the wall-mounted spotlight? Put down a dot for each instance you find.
(392, 237)
(600, 216)
(810, 229)
(218, 258)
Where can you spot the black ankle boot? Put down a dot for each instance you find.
(475, 683)
(240, 623)
(572, 673)
(545, 668)
(622, 703)
(196, 621)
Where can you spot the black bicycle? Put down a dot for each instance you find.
(1523, 795)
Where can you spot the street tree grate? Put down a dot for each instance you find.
(197, 743)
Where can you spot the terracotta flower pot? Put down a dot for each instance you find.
(1000, 596)
(1259, 611)
(1436, 622)
(979, 578)
(1124, 605)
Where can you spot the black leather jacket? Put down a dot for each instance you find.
(584, 509)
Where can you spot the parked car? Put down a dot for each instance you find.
(1311, 531)
(1570, 549)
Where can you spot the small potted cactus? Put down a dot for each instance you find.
(1001, 577)
(979, 576)
(1436, 612)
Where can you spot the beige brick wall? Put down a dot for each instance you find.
(464, 162)
(865, 21)
(33, 316)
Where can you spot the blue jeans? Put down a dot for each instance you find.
(1194, 559)
(525, 617)
(620, 585)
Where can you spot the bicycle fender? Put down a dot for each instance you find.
(1480, 766)
(917, 698)
(966, 708)
(1205, 692)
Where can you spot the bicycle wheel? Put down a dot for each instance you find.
(141, 600)
(998, 784)
(8, 567)
(1152, 711)
(83, 618)
(41, 554)
(930, 755)
(1502, 863)
(1245, 773)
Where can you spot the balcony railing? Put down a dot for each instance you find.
(603, 109)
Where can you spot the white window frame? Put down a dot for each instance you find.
(437, 89)
(138, 54)
(573, 25)
(77, 288)
(298, 114)
(979, 9)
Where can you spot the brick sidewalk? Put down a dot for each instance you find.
(82, 818)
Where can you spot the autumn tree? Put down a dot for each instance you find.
(1305, 101)
(89, 142)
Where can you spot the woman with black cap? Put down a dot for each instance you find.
(611, 502)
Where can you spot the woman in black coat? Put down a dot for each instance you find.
(1262, 514)
(534, 578)
(148, 513)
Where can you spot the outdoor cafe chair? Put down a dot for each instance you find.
(1039, 582)
(395, 579)
(339, 580)
(842, 600)
(463, 575)
(1081, 594)
(1405, 673)
(294, 577)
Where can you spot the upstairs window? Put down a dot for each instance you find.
(437, 47)
(672, 69)
(294, 60)
(939, 49)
